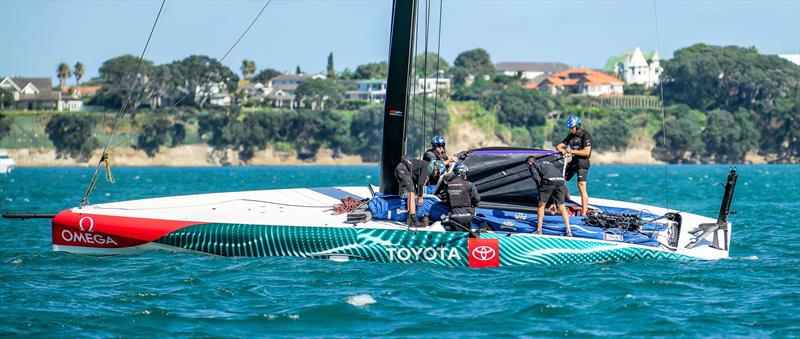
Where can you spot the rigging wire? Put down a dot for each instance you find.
(411, 89)
(438, 62)
(425, 73)
(104, 158)
(226, 53)
(121, 113)
(663, 113)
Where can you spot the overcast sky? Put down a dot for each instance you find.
(37, 35)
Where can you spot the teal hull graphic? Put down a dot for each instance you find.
(381, 245)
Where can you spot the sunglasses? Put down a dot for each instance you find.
(438, 145)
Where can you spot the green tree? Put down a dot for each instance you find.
(198, 74)
(366, 131)
(709, 77)
(347, 74)
(375, 70)
(475, 62)
(517, 106)
(297, 70)
(432, 61)
(117, 76)
(63, 72)
(72, 135)
(613, 133)
(248, 68)
(712, 77)
(79, 70)
(331, 69)
(6, 98)
(153, 134)
(323, 91)
(5, 124)
(266, 75)
(177, 134)
(683, 142)
(728, 137)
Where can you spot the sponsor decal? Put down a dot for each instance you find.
(520, 216)
(86, 235)
(423, 253)
(394, 112)
(106, 231)
(484, 252)
(508, 224)
(612, 237)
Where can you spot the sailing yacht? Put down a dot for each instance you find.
(311, 223)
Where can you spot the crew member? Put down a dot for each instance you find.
(462, 198)
(578, 143)
(437, 151)
(551, 184)
(413, 175)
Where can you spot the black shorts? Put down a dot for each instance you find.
(404, 179)
(548, 190)
(571, 170)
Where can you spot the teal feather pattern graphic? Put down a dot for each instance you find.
(387, 245)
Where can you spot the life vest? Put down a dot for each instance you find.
(458, 193)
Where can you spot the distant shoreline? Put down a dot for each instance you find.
(205, 156)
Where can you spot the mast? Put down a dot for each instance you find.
(395, 114)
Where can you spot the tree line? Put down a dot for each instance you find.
(720, 104)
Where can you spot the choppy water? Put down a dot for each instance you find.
(755, 293)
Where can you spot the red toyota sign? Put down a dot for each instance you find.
(483, 252)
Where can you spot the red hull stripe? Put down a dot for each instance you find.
(94, 230)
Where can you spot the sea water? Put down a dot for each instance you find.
(754, 293)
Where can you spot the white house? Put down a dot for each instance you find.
(32, 93)
(634, 68)
(371, 90)
(433, 85)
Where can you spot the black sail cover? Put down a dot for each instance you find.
(502, 178)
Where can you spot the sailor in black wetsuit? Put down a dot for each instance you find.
(551, 184)
(437, 151)
(462, 198)
(413, 175)
(579, 144)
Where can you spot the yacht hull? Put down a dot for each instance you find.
(295, 223)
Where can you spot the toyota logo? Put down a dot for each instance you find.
(483, 253)
(90, 224)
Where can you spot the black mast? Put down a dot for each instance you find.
(395, 114)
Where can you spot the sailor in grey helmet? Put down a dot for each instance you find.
(462, 198)
(551, 184)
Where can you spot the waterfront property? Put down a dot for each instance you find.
(636, 68)
(32, 93)
(582, 81)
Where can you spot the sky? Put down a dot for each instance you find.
(35, 36)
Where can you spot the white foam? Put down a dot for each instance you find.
(360, 300)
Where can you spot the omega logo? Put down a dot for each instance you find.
(91, 224)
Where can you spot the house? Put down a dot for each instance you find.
(529, 71)
(582, 81)
(215, 91)
(636, 68)
(433, 85)
(282, 99)
(371, 90)
(32, 93)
